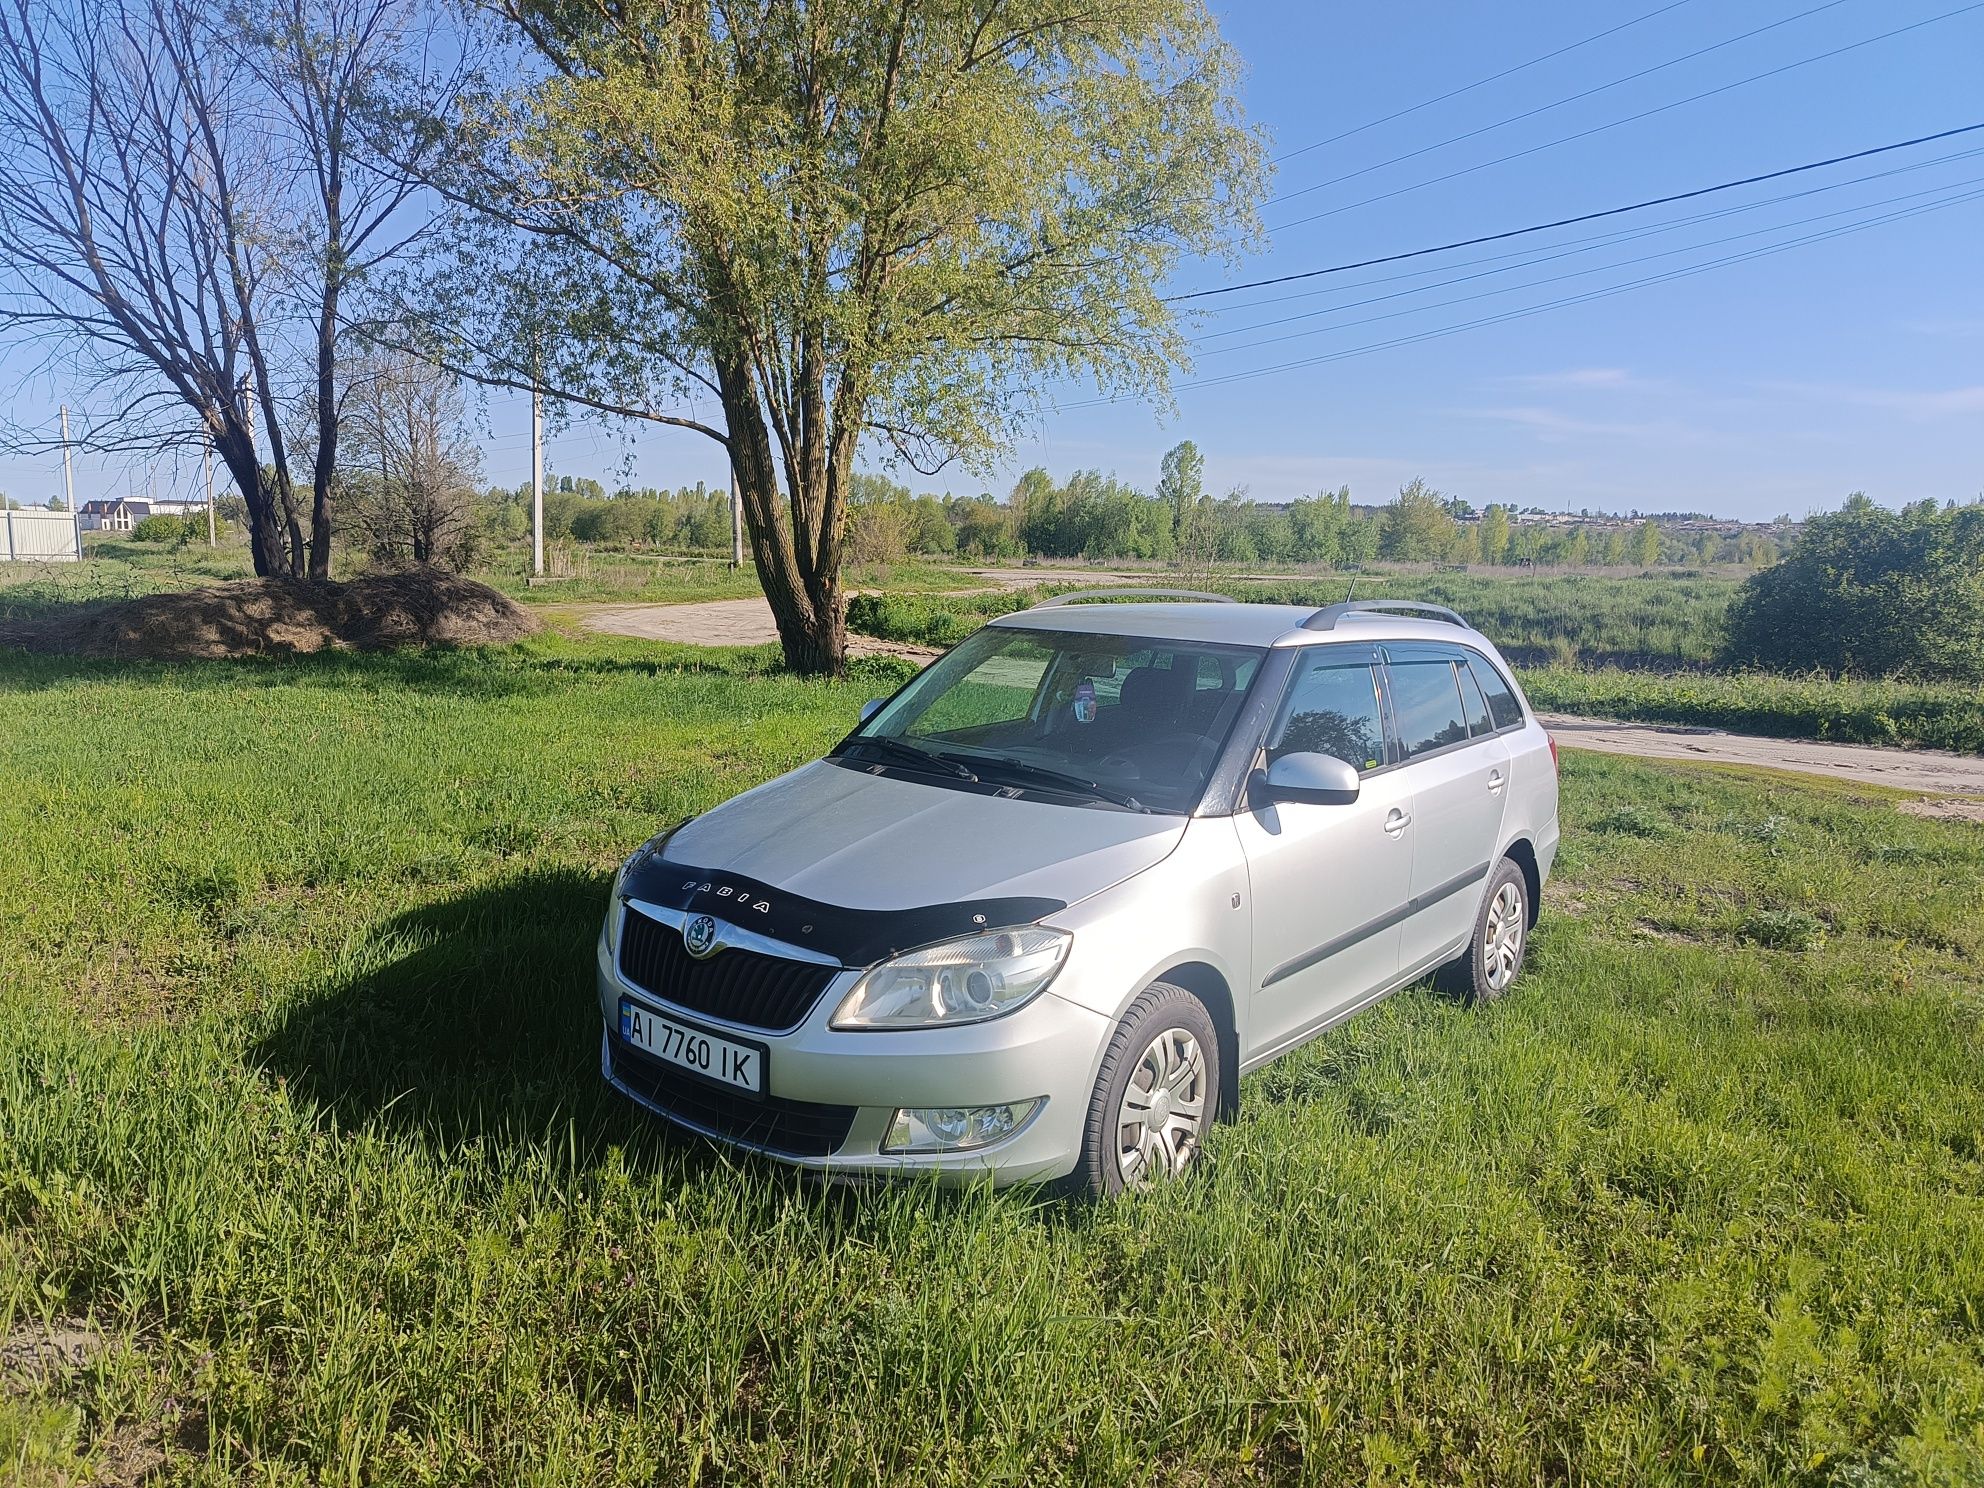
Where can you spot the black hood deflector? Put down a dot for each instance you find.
(853, 937)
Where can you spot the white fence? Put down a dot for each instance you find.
(38, 537)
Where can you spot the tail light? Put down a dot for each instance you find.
(1553, 753)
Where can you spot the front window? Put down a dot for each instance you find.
(1105, 720)
(1332, 709)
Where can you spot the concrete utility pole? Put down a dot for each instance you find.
(69, 485)
(736, 524)
(537, 482)
(207, 465)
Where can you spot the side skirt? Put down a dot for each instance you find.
(1341, 1016)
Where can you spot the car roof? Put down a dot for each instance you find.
(1235, 624)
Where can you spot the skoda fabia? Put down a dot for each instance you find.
(1036, 916)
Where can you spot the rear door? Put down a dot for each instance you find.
(1458, 772)
(1329, 883)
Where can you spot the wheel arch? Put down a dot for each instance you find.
(1205, 982)
(1523, 853)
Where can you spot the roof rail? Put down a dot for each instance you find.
(1327, 617)
(1076, 596)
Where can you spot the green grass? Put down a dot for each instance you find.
(299, 1103)
(1850, 710)
(121, 568)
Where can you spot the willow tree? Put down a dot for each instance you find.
(802, 226)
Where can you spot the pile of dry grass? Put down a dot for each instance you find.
(251, 617)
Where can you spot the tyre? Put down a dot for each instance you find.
(1155, 1098)
(1494, 955)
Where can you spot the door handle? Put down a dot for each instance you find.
(1397, 821)
(1494, 782)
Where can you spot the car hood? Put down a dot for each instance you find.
(846, 836)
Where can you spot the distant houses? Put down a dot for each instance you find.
(114, 515)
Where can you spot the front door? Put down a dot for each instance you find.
(1329, 883)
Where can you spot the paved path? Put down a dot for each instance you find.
(748, 622)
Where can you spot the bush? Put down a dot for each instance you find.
(929, 619)
(1872, 592)
(163, 528)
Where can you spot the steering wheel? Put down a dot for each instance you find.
(1193, 744)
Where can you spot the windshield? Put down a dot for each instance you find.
(1117, 720)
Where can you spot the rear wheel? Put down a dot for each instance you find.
(1501, 938)
(1155, 1096)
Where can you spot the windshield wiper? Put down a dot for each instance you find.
(909, 754)
(1059, 778)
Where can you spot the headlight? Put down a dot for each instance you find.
(959, 981)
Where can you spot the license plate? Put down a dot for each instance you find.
(739, 1066)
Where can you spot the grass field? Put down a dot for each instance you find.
(1947, 715)
(121, 568)
(299, 1104)
(1660, 619)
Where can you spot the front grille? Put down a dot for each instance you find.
(759, 991)
(794, 1128)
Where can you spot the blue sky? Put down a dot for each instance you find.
(1775, 385)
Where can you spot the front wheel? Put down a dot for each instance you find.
(1155, 1097)
(1494, 955)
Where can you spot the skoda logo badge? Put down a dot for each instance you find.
(699, 935)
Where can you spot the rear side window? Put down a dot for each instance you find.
(1426, 704)
(1502, 704)
(1474, 704)
(1332, 710)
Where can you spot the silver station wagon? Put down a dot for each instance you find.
(1036, 916)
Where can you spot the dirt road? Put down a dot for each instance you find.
(748, 622)
(1927, 770)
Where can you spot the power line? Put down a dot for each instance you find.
(1568, 300)
(1630, 118)
(1544, 108)
(1569, 246)
(1639, 206)
(1484, 82)
(1548, 279)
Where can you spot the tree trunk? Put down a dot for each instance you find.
(265, 524)
(325, 470)
(805, 597)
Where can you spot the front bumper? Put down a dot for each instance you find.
(818, 1077)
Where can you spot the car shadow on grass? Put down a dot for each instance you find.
(472, 1018)
(472, 1024)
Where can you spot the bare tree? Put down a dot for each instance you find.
(126, 162)
(413, 470)
(338, 72)
(188, 199)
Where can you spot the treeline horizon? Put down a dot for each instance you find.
(1092, 515)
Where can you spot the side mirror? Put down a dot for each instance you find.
(1319, 779)
(870, 708)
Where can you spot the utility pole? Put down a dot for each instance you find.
(536, 482)
(69, 485)
(736, 525)
(207, 465)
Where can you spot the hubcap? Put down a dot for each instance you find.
(1163, 1110)
(1501, 937)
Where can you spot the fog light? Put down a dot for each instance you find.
(956, 1128)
